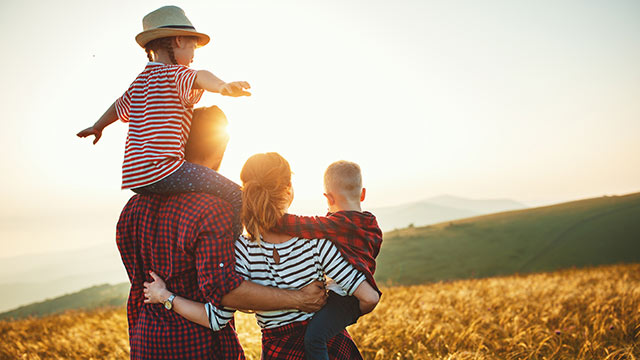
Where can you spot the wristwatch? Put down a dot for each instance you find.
(168, 304)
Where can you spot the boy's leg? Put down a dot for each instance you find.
(197, 178)
(338, 313)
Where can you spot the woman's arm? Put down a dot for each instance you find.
(347, 277)
(367, 296)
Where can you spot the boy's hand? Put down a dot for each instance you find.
(155, 292)
(91, 131)
(235, 89)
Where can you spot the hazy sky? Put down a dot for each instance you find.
(537, 101)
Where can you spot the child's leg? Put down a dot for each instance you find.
(338, 313)
(197, 178)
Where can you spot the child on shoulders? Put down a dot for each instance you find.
(159, 106)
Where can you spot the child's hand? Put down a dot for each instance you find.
(91, 131)
(235, 89)
(155, 292)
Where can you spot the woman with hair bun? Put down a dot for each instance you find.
(276, 259)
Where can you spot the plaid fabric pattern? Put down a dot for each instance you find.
(287, 343)
(187, 240)
(355, 233)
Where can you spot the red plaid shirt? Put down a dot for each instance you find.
(287, 343)
(355, 233)
(187, 240)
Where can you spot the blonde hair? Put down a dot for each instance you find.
(162, 43)
(266, 179)
(166, 44)
(344, 178)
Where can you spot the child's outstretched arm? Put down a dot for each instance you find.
(208, 81)
(108, 118)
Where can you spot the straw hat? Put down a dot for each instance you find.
(168, 21)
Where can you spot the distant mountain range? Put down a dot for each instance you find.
(439, 209)
(28, 278)
(581, 233)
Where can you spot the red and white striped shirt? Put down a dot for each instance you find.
(158, 107)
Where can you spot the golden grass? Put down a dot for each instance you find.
(574, 314)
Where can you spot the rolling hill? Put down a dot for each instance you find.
(595, 231)
(90, 298)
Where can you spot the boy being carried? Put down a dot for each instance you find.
(358, 237)
(354, 232)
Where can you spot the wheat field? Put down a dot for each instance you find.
(573, 314)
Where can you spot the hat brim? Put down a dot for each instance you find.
(144, 37)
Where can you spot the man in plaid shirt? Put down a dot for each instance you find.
(358, 237)
(188, 240)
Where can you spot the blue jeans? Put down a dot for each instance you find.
(337, 314)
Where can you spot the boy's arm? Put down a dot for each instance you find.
(208, 81)
(108, 118)
(311, 227)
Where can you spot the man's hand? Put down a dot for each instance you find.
(91, 131)
(155, 292)
(235, 89)
(312, 297)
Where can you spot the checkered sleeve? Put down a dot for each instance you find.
(311, 227)
(215, 257)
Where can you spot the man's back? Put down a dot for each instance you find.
(187, 240)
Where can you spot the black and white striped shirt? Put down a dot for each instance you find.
(301, 262)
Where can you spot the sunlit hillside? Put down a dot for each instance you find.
(589, 313)
(590, 232)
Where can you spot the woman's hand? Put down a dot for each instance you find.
(155, 292)
(235, 89)
(91, 131)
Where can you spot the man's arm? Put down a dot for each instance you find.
(248, 295)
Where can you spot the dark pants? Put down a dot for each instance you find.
(338, 313)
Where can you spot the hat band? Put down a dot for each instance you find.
(177, 27)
